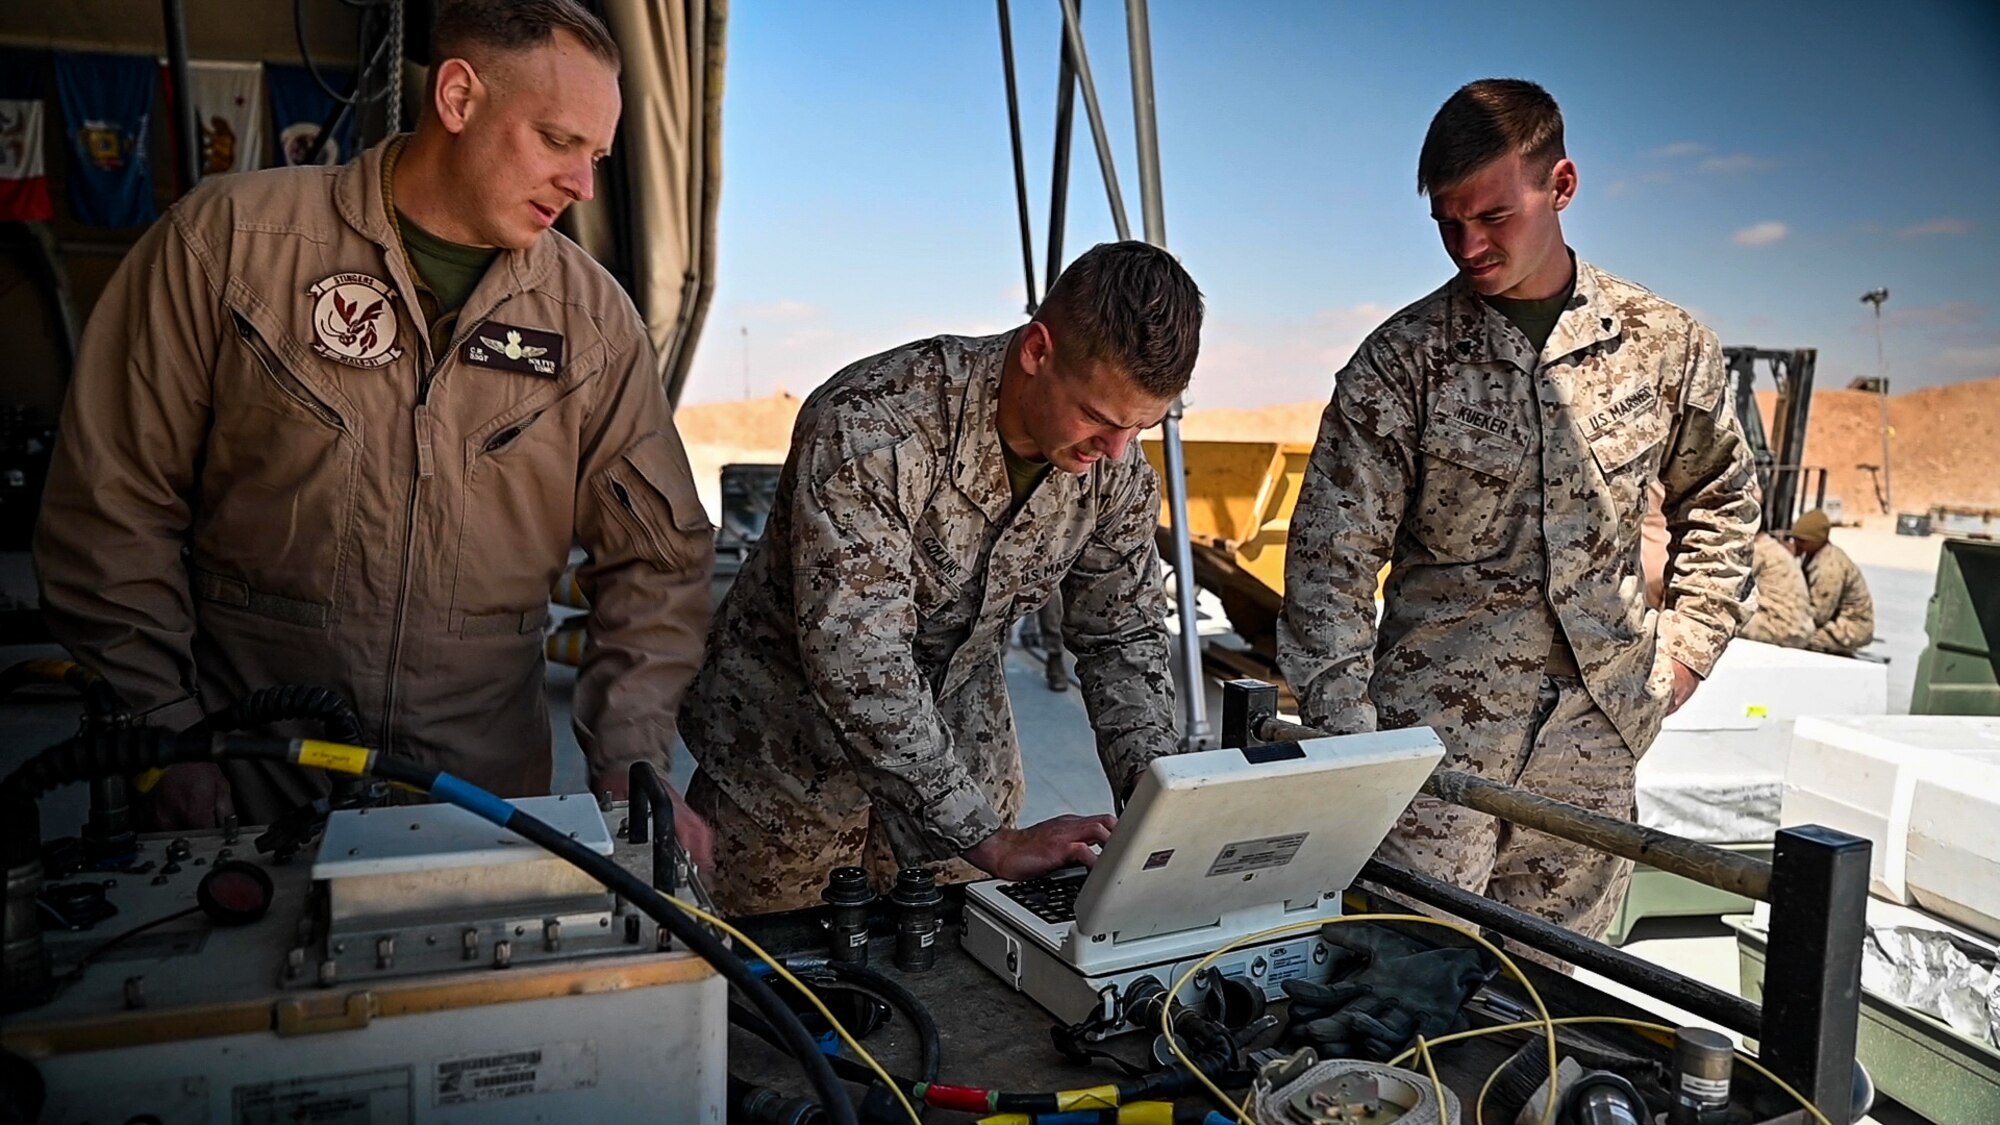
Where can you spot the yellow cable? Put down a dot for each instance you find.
(1242, 1111)
(704, 916)
(1437, 1087)
(1741, 1055)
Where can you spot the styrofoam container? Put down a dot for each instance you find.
(1755, 686)
(1953, 866)
(1859, 774)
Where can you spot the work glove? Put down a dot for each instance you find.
(1388, 990)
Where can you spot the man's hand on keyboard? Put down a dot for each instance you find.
(1024, 853)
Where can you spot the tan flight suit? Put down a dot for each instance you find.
(1843, 613)
(1784, 609)
(852, 708)
(265, 475)
(1507, 490)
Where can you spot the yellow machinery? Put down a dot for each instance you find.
(1240, 500)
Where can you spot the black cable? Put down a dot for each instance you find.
(930, 1044)
(285, 703)
(91, 754)
(312, 68)
(76, 972)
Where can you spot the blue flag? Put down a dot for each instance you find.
(298, 109)
(107, 101)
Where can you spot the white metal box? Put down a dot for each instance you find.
(191, 1023)
(1859, 774)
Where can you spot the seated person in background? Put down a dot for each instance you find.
(1784, 607)
(1843, 615)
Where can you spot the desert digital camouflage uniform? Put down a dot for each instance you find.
(853, 707)
(1784, 609)
(1507, 491)
(1843, 614)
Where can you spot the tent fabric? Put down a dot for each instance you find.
(672, 143)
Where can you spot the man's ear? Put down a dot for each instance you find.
(1563, 178)
(1038, 348)
(457, 93)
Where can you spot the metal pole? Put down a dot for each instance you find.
(187, 134)
(1059, 181)
(1710, 866)
(1020, 162)
(1146, 132)
(1882, 377)
(1706, 1001)
(1197, 735)
(1073, 31)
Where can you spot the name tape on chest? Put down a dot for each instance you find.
(509, 347)
(354, 320)
(1644, 399)
(1478, 419)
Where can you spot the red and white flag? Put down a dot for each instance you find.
(24, 180)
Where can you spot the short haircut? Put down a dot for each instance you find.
(1484, 121)
(1130, 304)
(466, 28)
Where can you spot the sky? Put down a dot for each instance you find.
(1761, 162)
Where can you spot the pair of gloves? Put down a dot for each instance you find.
(1386, 990)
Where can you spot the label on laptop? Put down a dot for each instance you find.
(1256, 855)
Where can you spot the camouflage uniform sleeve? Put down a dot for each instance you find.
(1114, 620)
(857, 615)
(1712, 514)
(1351, 504)
(1842, 607)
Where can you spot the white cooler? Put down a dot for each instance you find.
(1863, 774)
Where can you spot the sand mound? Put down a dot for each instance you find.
(1944, 445)
(1944, 448)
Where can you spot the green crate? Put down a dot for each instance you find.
(1958, 673)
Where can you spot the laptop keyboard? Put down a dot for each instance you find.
(1052, 898)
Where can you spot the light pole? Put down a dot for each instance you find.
(1876, 297)
(746, 362)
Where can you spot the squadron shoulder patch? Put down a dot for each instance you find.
(507, 347)
(354, 320)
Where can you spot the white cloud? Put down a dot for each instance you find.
(1618, 188)
(1982, 361)
(1937, 226)
(1677, 150)
(1762, 234)
(1734, 162)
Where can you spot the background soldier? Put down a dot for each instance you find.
(1784, 609)
(853, 708)
(1843, 613)
(340, 426)
(1494, 443)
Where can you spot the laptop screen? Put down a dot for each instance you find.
(1217, 831)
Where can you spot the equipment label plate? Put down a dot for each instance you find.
(465, 1079)
(365, 1097)
(1255, 855)
(1290, 962)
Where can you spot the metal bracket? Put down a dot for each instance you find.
(313, 1015)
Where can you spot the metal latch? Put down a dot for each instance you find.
(313, 1015)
